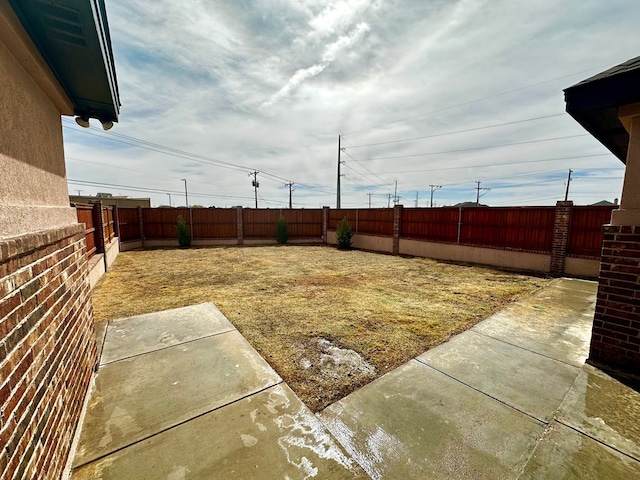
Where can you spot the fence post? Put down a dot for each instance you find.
(141, 224)
(240, 222)
(116, 222)
(561, 226)
(397, 219)
(98, 225)
(357, 220)
(459, 224)
(325, 224)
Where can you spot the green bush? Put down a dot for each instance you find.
(281, 230)
(344, 234)
(184, 239)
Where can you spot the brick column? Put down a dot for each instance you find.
(397, 219)
(325, 223)
(98, 224)
(561, 227)
(615, 341)
(240, 225)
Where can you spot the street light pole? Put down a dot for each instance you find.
(186, 195)
(186, 200)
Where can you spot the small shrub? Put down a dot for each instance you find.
(344, 234)
(281, 230)
(184, 239)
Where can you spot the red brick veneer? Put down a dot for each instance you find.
(47, 349)
(615, 341)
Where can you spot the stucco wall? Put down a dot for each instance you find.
(34, 193)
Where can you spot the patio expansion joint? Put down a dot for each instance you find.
(167, 347)
(543, 422)
(523, 348)
(171, 427)
(577, 430)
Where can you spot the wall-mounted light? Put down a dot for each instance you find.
(83, 121)
(107, 125)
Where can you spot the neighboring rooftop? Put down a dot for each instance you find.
(594, 104)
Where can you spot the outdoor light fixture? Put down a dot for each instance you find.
(83, 121)
(107, 125)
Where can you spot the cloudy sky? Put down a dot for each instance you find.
(422, 92)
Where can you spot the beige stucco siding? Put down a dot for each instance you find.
(34, 193)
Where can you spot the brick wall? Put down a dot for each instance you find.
(615, 341)
(47, 349)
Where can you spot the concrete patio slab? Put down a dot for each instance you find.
(132, 336)
(605, 409)
(270, 434)
(513, 375)
(564, 454)
(416, 422)
(140, 396)
(556, 321)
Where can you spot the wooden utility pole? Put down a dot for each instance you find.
(369, 194)
(290, 184)
(433, 187)
(255, 184)
(566, 193)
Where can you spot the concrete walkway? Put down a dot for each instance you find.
(509, 398)
(181, 394)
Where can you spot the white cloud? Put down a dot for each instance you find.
(193, 76)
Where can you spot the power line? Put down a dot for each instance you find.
(156, 147)
(458, 131)
(356, 132)
(496, 164)
(480, 148)
(147, 189)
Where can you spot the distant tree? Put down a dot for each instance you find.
(344, 234)
(281, 230)
(197, 206)
(184, 239)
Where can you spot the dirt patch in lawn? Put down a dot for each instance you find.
(328, 321)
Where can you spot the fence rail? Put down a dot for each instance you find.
(515, 228)
(100, 226)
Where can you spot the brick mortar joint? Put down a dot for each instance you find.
(19, 246)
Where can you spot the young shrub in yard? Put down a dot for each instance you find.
(184, 239)
(281, 230)
(344, 234)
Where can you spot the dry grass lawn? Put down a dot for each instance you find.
(328, 321)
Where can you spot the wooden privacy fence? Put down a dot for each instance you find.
(100, 226)
(518, 228)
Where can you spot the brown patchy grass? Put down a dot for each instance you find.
(288, 301)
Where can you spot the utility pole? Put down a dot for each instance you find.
(485, 190)
(369, 194)
(290, 184)
(255, 184)
(169, 199)
(566, 193)
(433, 188)
(79, 192)
(338, 181)
(389, 195)
(416, 199)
